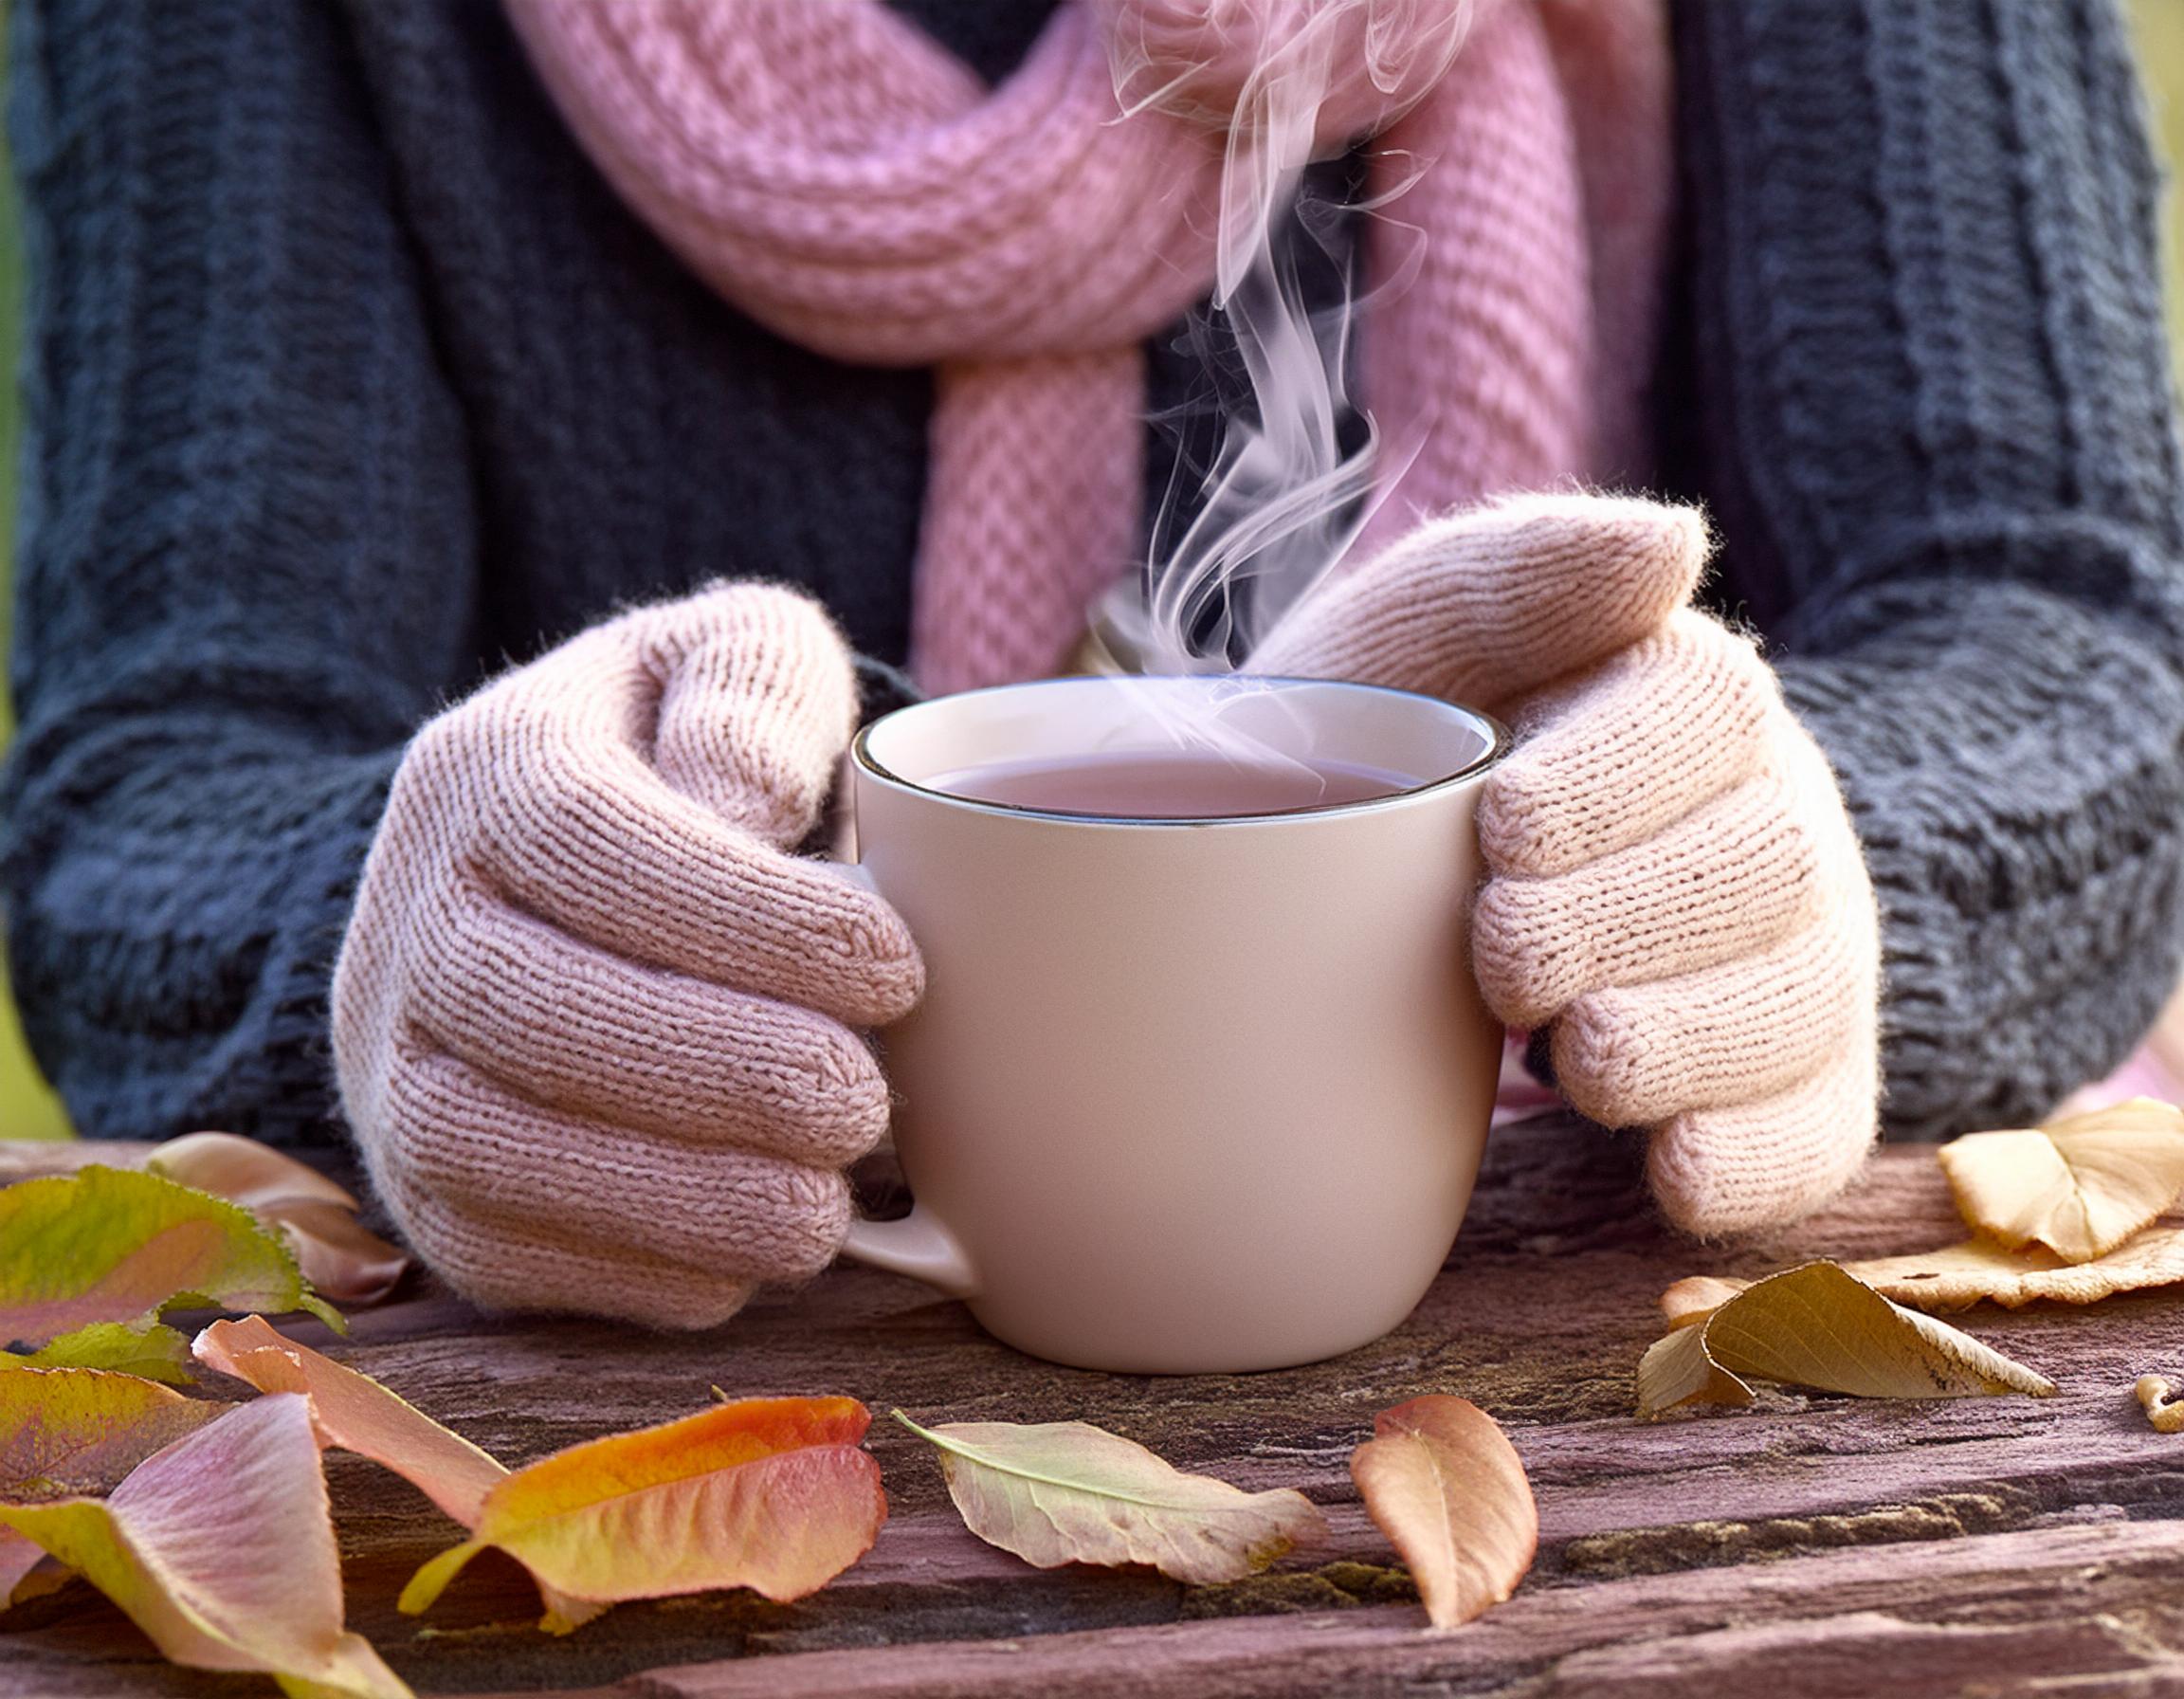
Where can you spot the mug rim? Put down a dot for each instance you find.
(1497, 744)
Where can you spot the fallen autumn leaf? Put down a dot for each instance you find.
(150, 1349)
(66, 1432)
(2081, 1185)
(220, 1548)
(356, 1414)
(1816, 1327)
(1067, 1493)
(773, 1494)
(1957, 1276)
(104, 1245)
(317, 1217)
(1443, 1482)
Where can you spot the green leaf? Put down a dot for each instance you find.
(106, 1245)
(153, 1351)
(1067, 1493)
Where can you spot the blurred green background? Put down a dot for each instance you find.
(28, 1110)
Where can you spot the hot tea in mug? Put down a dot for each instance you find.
(1201, 1077)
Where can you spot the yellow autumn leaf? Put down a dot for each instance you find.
(1067, 1493)
(220, 1548)
(152, 1349)
(1443, 1482)
(773, 1494)
(104, 1245)
(65, 1433)
(1816, 1327)
(2153, 1395)
(315, 1217)
(2081, 1185)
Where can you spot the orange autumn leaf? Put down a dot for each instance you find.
(221, 1549)
(74, 1432)
(1448, 1489)
(773, 1494)
(356, 1414)
(316, 1216)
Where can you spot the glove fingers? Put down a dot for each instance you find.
(579, 1030)
(1735, 877)
(605, 850)
(757, 699)
(1760, 1164)
(502, 1263)
(453, 1134)
(1651, 735)
(1747, 1030)
(1498, 600)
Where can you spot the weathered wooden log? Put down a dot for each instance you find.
(1807, 1545)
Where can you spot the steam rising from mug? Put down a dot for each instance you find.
(1288, 82)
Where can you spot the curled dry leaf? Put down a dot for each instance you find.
(1448, 1489)
(220, 1548)
(1958, 1276)
(2081, 1185)
(72, 1433)
(317, 1217)
(2153, 1394)
(774, 1494)
(1816, 1327)
(355, 1412)
(1067, 1493)
(103, 1245)
(1698, 1296)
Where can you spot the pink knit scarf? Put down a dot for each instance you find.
(839, 176)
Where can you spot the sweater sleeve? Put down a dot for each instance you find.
(247, 552)
(1932, 405)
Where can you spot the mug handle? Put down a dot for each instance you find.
(917, 1244)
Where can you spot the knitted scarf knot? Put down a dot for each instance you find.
(838, 175)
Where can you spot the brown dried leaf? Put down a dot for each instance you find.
(317, 1217)
(2081, 1185)
(1816, 1327)
(2154, 1397)
(1958, 1275)
(1698, 1296)
(1448, 1489)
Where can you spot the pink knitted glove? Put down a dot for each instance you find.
(1673, 881)
(593, 1019)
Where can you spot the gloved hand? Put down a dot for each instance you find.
(1673, 882)
(592, 1022)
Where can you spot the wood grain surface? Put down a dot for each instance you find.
(1810, 1544)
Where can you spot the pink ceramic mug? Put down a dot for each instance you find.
(1183, 1096)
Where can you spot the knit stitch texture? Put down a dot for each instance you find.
(351, 381)
(838, 174)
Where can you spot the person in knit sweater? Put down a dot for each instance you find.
(383, 352)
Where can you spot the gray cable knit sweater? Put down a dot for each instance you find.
(349, 382)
